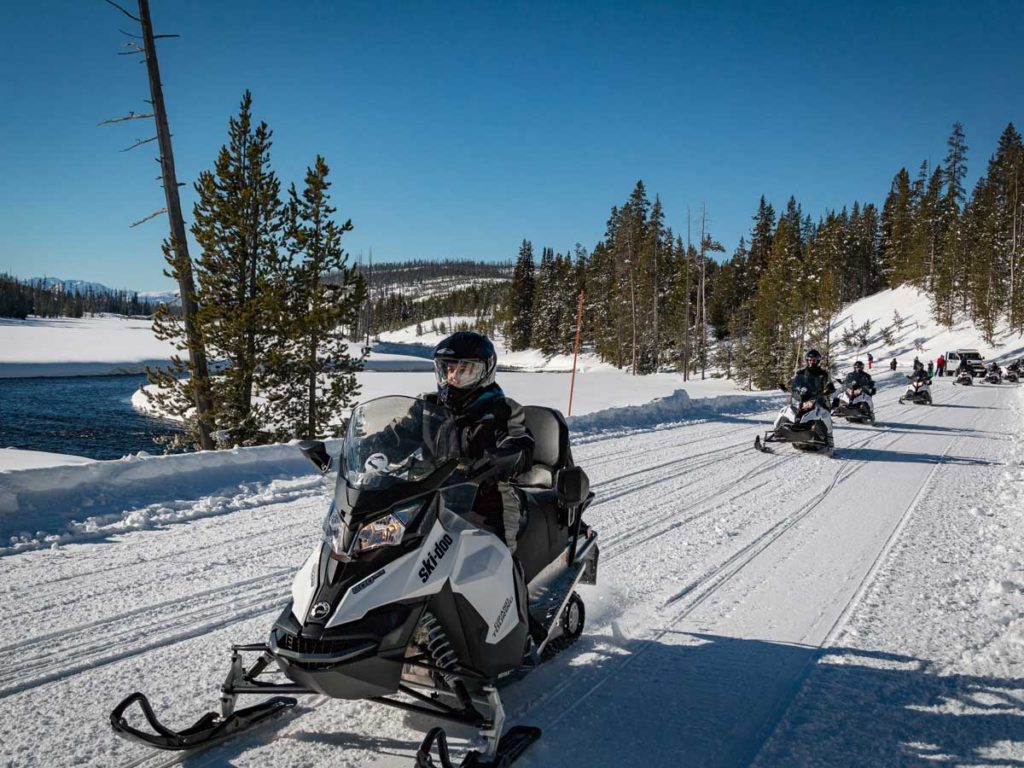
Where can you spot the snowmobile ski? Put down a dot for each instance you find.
(761, 446)
(512, 745)
(208, 729)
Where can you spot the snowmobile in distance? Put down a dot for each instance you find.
(964, 378)
(1012, 375)
(918, 391)
(805, 423)
(405, 601)
(993, 376)
(853, 403)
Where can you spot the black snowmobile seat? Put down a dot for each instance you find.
(542, 538)
(550, 447)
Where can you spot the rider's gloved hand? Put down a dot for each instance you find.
(376, 463)
(511, 456)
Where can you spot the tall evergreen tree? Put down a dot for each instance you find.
(519, 328)
(238, 218)
(309, 375)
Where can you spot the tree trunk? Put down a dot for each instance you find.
(182, 262)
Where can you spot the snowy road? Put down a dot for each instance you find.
(728, 579)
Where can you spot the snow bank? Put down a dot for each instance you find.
(17, 458)
(88, 501)
(674, 409)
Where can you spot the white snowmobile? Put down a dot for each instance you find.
(964, 378)
(993, 376)
(805, 423)
(1013, 373)
(854, 403)
(406, 601)
(918, 391)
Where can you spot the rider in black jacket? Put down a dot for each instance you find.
(488, 424)
(858, 378)
(813, 377)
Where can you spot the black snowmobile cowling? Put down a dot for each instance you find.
(406, 600)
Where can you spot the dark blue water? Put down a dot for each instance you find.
(81, 415)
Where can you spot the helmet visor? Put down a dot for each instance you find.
(461, 374)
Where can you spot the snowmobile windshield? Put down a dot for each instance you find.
(396, 440)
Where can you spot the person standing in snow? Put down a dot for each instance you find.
(931, 367)
(871, 360)
(940, 366)
(892, 364)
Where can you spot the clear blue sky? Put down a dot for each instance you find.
(458, 129)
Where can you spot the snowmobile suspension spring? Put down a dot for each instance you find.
(439, 647)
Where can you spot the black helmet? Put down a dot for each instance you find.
(858, 365)
(918, 365)
(464, 363)
(813, 355)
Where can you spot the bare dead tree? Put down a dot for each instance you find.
(180, 261)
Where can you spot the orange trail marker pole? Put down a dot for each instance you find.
(575, 352)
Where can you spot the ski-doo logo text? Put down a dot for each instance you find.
(320, 611)
(430, 561)
(501, 616)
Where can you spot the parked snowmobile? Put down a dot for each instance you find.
(805, 423)
(1012, 375)
(918, 391)
(964, 378)
(853, 402)
(406, 601)
(994, 375)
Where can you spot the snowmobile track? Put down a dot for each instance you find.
(113, 639)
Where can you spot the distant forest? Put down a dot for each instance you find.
(21, 298)
(656, 300)
(413, 292)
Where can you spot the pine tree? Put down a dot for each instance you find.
(310, 377)
(547, 304)
(519, 330)
(898, 266)
(949, 290)
(238, 218)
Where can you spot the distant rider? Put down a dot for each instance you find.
(858, 378)
(993, 367)
(919, 374)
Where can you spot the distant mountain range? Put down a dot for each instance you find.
(84, 286)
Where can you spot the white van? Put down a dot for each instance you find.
(971, 355)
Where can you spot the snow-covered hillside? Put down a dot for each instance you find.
(914, 332)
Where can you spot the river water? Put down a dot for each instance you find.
(82, 415)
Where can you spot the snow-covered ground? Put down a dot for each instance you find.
(770, 609)
(783, 608)
(87, 346)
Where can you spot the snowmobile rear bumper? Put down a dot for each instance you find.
(852, 412)
(916, 399)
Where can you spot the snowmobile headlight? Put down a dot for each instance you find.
(386, 531)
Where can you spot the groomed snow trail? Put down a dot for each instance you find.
(724, 573)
